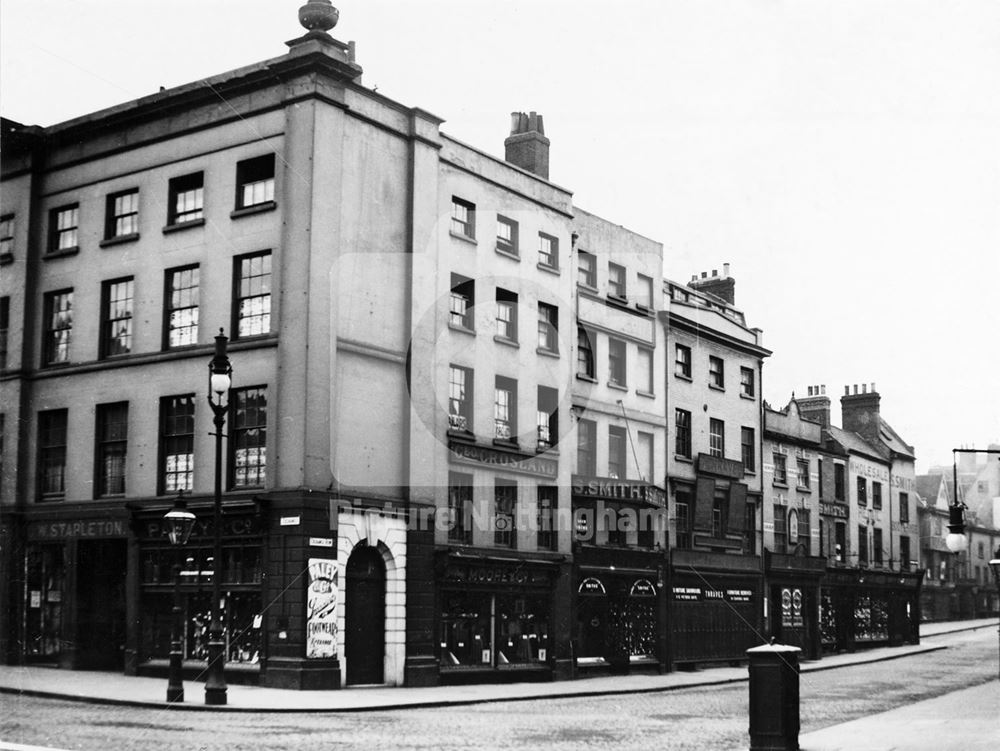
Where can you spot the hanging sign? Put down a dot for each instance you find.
(321, 609)
(591, 586)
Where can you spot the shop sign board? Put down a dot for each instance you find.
(687, 594)
(791, 607)
(591, 586)
(643, 588)
(717, 465)
(696, 594)
(613, 489)
(838, 510)
(481, 455)
(76, 529)
(322, 590)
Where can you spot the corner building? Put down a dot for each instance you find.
(402, 319)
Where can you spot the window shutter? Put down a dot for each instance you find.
(704, 502)
(737, 508)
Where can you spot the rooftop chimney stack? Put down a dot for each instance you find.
(816, 406)
(860, 413)
(526, 146)
(722, 287)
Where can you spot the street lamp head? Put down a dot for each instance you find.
(956, 539)
(179, 522)
(219, 369)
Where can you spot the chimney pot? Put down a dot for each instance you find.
(704, 274)
(694, 277)
(864, 388)
(715, 272)
(822, 389)
(873, 387)
(725, 269)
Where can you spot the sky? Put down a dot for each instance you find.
(842, 155)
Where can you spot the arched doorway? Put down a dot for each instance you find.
(364, 616)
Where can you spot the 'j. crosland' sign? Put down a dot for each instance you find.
(531, 465)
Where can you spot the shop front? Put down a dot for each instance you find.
(793, 587)
(498, 618)
(73, 605)
(241, 579)
(861, 609)
(714, 606)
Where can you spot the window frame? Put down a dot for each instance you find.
(617, 281)
(802, 478)
(182, 439)
(904, 508)
(586, 268)
(646, 360)
(57, 232)
(4, 330)
(617, 452)
(877, 557)
(546, 517)
(109, 341)
(548, 257)
(586, 447)
(463, 218)
(460, 497)
(617, 362)
(780, 473)
(250, 173)
(106, 442)
(682, 428)
(548, 328)
(507, 424)
(247, 282)
(54, 342)
(169, 309)
(716, 372)
(861, 488)
(585, 355)
(460, 419)
(52, 443)
(748, 452)
(717, 437)
(7, 236)
(780, 514)
(876, 495)
(193, 184)
(682, 361)
(112, 217)
(748, 386)
(241, 428)
(644, 284)
(504, 245)
(505, 491)
(547, 417)
(462, 303)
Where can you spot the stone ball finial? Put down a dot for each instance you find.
(318, 15)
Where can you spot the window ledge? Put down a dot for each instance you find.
(506, 342)
(687, 378)
(751, 397)
(464, 435)
(749, 472)
(587, 287)
(546, 352)
(644, 308)
(779, 484)
(463, 238)
(119, 239)
(511, 254)
(803, 488)
(462, 329)
(716, 387)
(685, 459)
(6, 259)
(617, 387)
(548, 269)
(505, 443)
(63, 253)
(647, 394)
(257, 208)
(584, 377)
(183, 225)
(618, 299)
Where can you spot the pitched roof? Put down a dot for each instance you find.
(928, 487)
(855, 443)
(891, 439)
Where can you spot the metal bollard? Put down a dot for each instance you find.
(774, 698)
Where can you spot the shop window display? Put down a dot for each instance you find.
(46, 575)
(481, 630)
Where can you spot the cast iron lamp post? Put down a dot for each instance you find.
(995, 568)
(219, 381)
(179, 522)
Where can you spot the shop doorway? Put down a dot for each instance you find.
(100, 588)
(364, 616)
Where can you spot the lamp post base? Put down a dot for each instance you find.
(215, 681)
(175, 682)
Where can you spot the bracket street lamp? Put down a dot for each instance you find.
(219, 381)
(178, 522)
(956, 539)
(995, 568)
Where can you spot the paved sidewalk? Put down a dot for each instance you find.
(966, 720)
(115, 688)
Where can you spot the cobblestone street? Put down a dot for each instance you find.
(705, 718)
